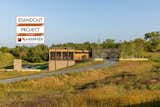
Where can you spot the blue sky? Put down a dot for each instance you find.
(82, 20)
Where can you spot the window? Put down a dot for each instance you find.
(70, 56)
(52, 56)
(65, 55)
(58, 56)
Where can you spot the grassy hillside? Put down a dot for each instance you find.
(6, 59)
(124, 84)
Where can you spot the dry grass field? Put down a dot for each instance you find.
(123, 84)
(10, 74)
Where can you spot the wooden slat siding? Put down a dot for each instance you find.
(27, 24)
(29, 34)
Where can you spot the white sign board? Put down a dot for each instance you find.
(30, 29)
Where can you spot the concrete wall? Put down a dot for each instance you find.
(17, 64)
(133, 59)
(58, 64)
(105, 53)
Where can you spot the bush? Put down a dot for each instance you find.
(156, 68)
(6, 59)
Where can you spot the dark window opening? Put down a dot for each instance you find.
(65, 55)
(70, 56)
(52, 56)
(58, 56)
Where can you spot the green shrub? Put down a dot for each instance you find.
(156, 68)
(6, 59)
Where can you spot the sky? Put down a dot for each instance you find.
(82, 20)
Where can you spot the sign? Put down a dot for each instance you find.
(30, 29)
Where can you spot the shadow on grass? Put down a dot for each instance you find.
(147, 104)
(8, 67)
(121, 78)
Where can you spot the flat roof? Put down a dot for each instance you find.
(67, 50)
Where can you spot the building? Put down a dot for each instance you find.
(60, 57)
(108, 53)
(81, 55)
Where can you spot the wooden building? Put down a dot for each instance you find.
(60, 57)
(81, 55)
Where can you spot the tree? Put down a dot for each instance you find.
(4, 49)
(153, 41)
(17, 51)
(139, 47)
(38, 53)
(132, 49)
(109, 43)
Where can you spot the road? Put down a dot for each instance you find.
(60, 72)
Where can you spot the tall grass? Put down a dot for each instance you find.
(124, 84)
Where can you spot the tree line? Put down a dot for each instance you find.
(128, 49)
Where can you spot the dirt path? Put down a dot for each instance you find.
(60, 72)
